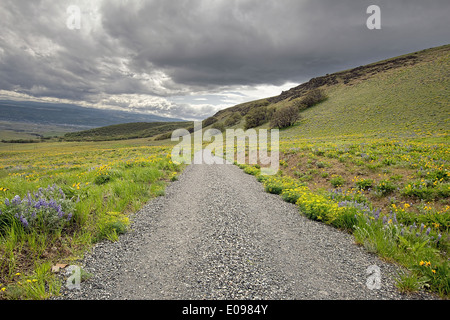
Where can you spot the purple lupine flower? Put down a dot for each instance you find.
(16, 200)
(384, 219)
(394, 219)
(439, 237)
(30, 201)
(7, 201)
(69, 216)
(428, 231)
(421, 227)
(39, 203)
(24, 221)
(376, 214)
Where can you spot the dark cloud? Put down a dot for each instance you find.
(175, 48)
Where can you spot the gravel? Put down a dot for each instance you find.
(216, 234)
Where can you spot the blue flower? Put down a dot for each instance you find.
(7, 201)
(24, 221)
(16, 200)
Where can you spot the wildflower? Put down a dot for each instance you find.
(427, 264)
(421, 263)
(3, 289)
(432, 270)
(24, 221)
(7, 201)
(18, 274)
(16, 200)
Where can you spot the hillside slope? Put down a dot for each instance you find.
(127, 131)
(406, 95)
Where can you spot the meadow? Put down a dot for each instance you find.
(391, 194)
(372, 160)
(58, 199)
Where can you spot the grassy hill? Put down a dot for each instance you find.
(373, 159)
(406, 95)
(128, 131)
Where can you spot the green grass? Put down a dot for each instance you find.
(373, 160)
(102, 183)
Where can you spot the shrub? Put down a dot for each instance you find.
(233, 119)
(256, 117)
(312, 98)
(209, 121)
(285, 117)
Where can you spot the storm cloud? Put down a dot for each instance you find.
(188, 58)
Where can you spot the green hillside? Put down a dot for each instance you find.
(402, 96)
(372, 159)
(406, 95)
(127, 131)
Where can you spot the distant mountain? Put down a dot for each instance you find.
(69, 115)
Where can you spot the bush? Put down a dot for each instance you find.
(256, 117)
(233, 119)
(312, 98)
(285, 117)
(209, 121)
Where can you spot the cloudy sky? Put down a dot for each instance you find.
(191, 58)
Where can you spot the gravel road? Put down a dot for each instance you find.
(217, 235)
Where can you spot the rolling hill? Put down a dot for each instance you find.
(128, 131)
(28, 119)
(406, 95)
